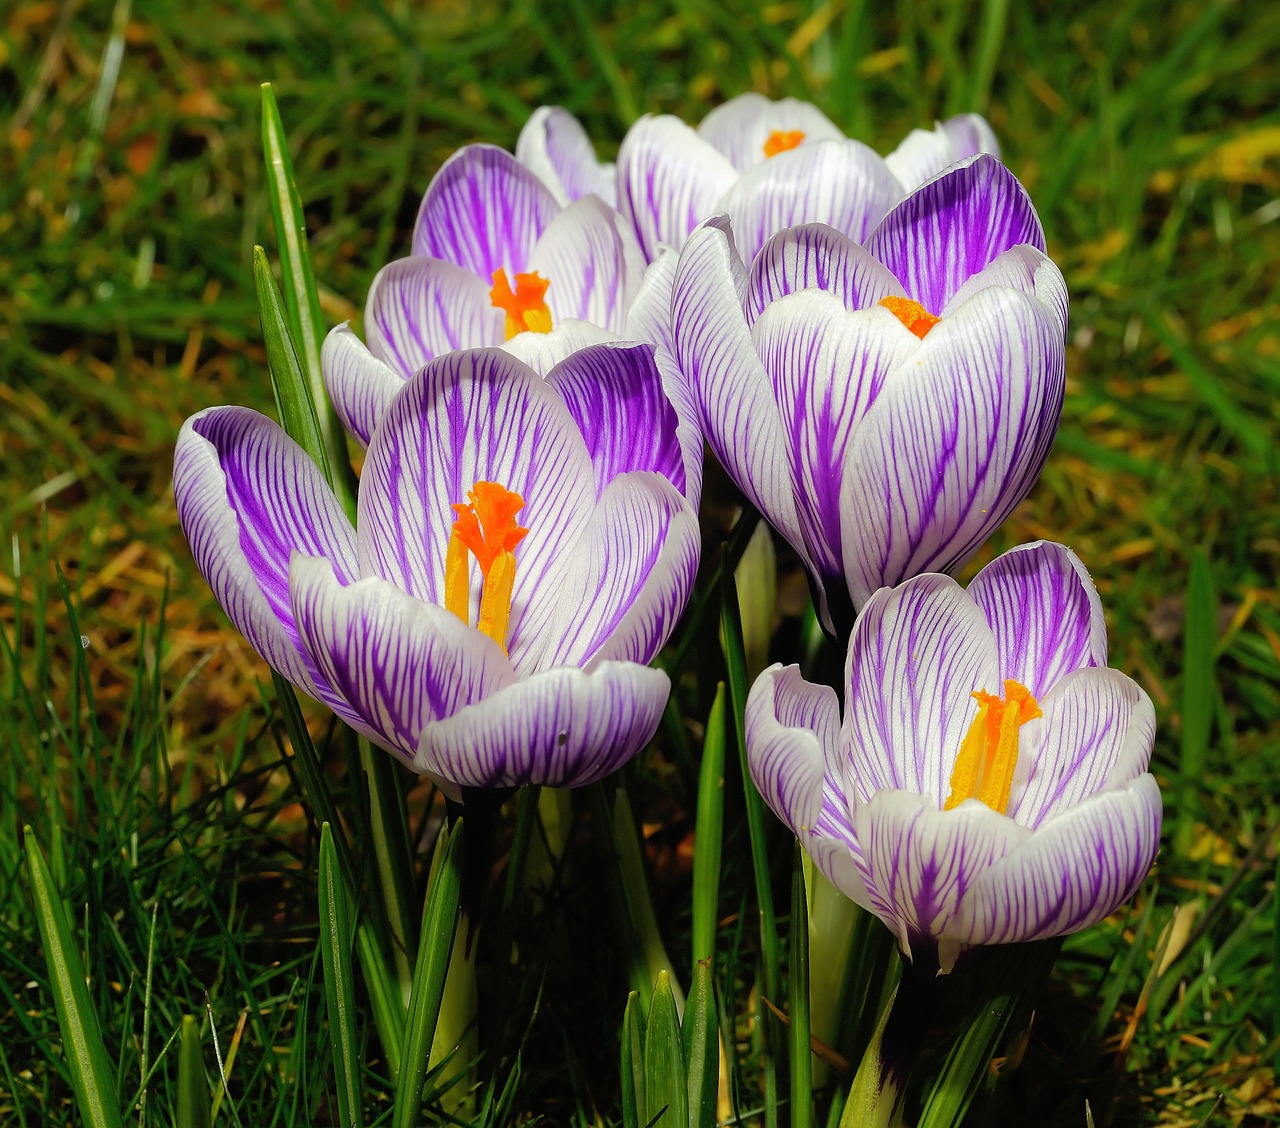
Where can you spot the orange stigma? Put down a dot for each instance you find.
(912, 314)
(780, 140)
(486, 529)
(989, 752)
(525, 307)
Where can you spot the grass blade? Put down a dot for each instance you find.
(339, 982)
(708, 835)
(1198, 692)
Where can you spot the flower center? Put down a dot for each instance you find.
(486, 529)
(989, 752)
(525, 307)
(780, 140)
(911, 313)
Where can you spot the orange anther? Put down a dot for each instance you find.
(911, 313)
(486, 528)
(525, 306)
(780, 140)
(989, 752)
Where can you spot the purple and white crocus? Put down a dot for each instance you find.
(989, 781)
(884, 406)
(523, 548)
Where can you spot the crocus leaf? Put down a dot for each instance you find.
(665, 1081)
(701, 1048)
(634, 1106)
(339, 981)
(193, 1083)
(801, 1062)
(709, 834)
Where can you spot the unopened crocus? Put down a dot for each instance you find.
(988, 783)
(522, 550)
(884, 406)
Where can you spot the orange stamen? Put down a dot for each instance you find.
(911, 313)
(525, 308)
(989, 752)
(781, 140)
(486, 529)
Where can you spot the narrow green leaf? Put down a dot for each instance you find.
(194, 1098)
(995, 15)
(709, 834)
(874, 1099)
(665, 1081)
(801, 1060)
(439, 922)
(702, 1048)
(634, 1106)
(339, 982)
(86, 1056)
(1198, 692)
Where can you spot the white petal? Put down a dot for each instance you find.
(1020, 268)
(543, 351)
(740, 127)
(924, 153)
(556, 147)
(360, 386)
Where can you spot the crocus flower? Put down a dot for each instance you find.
(771, 165)
(522, 549)
(556, 148)
(886, 406)
(989, 782)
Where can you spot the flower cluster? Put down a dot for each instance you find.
(871, 347)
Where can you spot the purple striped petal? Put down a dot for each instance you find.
(614, 393)
(916, 654)
(669, 180)
(419, 308)
(1096, 734)
(630, 576)
(827, 368)
(953, 445)
(1022, 268)
(556, 148)
(360, 386)
(1076, 869)
(543, 351)
(840, 183)
(561, 728)
(922, 864)
(740, 127)
(398, 662)
(815, 256)
(953, 227)
(924, 153)
(248, 498)
(649, 318)
(468, 417)
(1045, 613)
(592, 263)
(483, 211)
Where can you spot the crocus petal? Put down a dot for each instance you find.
(484, 211)
(740, 127)
(592, 262)
(649, 318)
(614, 393)
(920, 864)
(561, 728)
(421, 307)
(1021, 268)
(543, 351)
(248, 497)
(924, 153)
(949, 449)
(556, 147)
(1045, 613)
(952, 227)
(1096, 733)
(841, 183)
(398, 662)
(815, 256)
(669, 179)
(360, 386)
(1074, 870)
(468, 417)
(827, 368)
(917, 653)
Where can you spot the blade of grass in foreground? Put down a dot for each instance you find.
(193, 1086)
(339, 982)
(708, 834)
(87, 1060)
(1197, 693)
(801, 1061)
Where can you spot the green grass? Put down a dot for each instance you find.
(140, 742)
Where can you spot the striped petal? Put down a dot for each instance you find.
(949, 449)
(649, 318)
(843, 184)
(561, 728)
(420, 307)
(1078, 868)
(916, 654)
(556, 148)
(543, 351)
(740, 127)
(592, 262)
(360, 386)
(1045, 613)
(924, 153)
(1096, 734)
(398, 662)
(1022, 268)
(468, 417)
(669, 180)
(951, 228)
(484, 211)
(815, 256)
